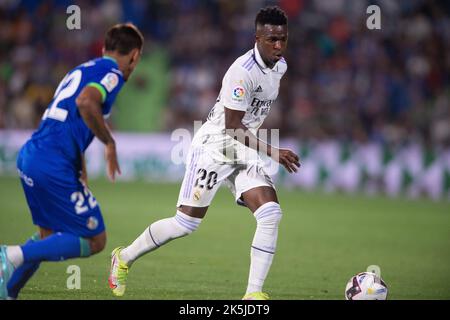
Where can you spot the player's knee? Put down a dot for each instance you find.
(44, 233)
(175, 227)
(98, 243)
(97, 246)
(186, 224)
(269, 214)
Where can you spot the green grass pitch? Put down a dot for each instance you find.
(323, 241)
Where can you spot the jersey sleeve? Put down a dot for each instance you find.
(236, 89)
(108, 83)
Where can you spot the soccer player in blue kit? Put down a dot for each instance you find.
(52, 168)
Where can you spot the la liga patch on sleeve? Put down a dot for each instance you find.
(110, 81)
(238, 93)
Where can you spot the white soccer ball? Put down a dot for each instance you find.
(366, 286)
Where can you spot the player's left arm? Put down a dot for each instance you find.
(238, 131)
(89, 104)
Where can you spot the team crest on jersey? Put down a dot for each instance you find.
(92, 223)
(238, 92)
(197, 195)
(110, 81)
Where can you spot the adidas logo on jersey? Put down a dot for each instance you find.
(259, 89)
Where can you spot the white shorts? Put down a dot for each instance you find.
(204, 175)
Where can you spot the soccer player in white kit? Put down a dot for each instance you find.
(225, 149)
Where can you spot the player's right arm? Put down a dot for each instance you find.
(89, 103)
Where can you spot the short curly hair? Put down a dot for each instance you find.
(271, 15)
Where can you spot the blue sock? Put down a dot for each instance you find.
(22, 274)
(57, 247)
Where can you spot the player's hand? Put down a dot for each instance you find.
(287, 158)
(112, 165)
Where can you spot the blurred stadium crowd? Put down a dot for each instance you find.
(344, 81)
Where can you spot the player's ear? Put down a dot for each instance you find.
(137, 54)
(134, 55)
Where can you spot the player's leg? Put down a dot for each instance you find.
(256, 190)
(14, 272)
(70, 210)
(263, 202)
(256, 197)
(97, 243)
(200, 183)
(25, 265)
(186, 220)
(194, 198)
(59, 246)
(23, 273)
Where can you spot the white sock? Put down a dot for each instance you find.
(158, 234)
(268, 217)
(15, 255)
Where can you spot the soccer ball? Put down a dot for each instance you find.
(366, 286)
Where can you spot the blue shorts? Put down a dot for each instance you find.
(56, 197)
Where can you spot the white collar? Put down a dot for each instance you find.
(262, 65)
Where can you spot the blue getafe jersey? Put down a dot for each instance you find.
(63, 132)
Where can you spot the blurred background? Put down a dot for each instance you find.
(368, 110)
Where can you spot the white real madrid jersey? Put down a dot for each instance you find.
(248, 85)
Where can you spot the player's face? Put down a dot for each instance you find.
(272, 42)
